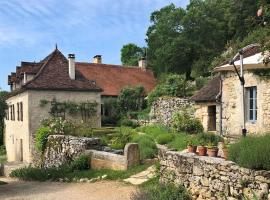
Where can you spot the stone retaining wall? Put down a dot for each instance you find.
(61, 149)
(106, 160)
(163, 109)
(212, 178)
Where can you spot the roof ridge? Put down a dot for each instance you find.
(42, 67)
(110, 65)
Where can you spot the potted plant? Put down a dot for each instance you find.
(202, 149)
(225, 149)
(212, 150)
(191, 146)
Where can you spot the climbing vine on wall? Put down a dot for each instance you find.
(262, 73)
(59, 109)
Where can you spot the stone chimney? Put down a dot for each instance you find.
(142, 63)
(71, 66)
(97, 59)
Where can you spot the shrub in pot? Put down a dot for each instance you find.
(225, 149)
(212, 150)
(191, 146)
(201, 149)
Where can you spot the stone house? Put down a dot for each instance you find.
(61, 79)
(224, 105)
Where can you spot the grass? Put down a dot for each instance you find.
(3, 156)
(40, 174)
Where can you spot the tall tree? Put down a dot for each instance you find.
(3, 107)
(131, 54)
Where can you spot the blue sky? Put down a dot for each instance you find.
(29, 29)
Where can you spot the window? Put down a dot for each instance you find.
(12, 112)
(20, 111)
(7, 113)
(252, 104)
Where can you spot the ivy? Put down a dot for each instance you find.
(262, 73)
(72, 108)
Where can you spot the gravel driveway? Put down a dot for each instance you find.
(104, 190)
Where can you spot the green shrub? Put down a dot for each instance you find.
(59, 126)
(212, 138)
(179, 142)
(122, 137)
(251, 152)
(147, 145)
(153, 130)
(164, 138)
(82, 162)
(184, 122)
(157, 191)
(41, 138)
(128, 122)
(40, 174)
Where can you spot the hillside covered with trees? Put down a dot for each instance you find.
(192, 41)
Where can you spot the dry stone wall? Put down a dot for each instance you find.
(61, 149)
(163, 109)
(212, 178)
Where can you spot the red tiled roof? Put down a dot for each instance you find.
(54, 75)
(113, 78)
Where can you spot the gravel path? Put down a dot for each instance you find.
(103, 190)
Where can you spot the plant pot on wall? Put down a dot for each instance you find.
(202, 150)
(192, 148)
(212, 151)
(225, 153)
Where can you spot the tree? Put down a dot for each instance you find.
(131, 54)
(131, 99)
(3, 107)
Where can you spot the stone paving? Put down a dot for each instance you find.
(141, 177)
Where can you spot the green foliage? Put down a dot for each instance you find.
(251, 152)
(128, 122)
(153, 130)
(131, 54)
(82, 162)
(41, 138)
(131, 99)
(180, 141)
(164, 138)
(3, 154)
(200, 82)
(212, 138)
(153, 190)
(108, 120)
(173, 86)
(122, 137)
(3, 107)
(184, 122)
(59, 126)
(147, 145)
(40, 174)
(53, 174)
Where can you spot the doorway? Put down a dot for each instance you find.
(212, 119)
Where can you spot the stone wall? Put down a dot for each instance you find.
(61, 149)
(231, 104)
(163, 109)
(212, 178)
(106, 160)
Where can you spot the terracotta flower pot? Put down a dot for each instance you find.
(202, 150)
(192, 148)
(212, 151)
(225, 153)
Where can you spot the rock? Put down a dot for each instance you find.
(104, 176)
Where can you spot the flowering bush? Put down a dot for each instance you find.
(58, 125)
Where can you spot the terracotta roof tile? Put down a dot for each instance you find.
(113, 78)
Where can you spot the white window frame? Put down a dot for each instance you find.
(252, 117)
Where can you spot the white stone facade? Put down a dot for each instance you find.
(19, 135)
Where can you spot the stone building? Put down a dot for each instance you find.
(60, 79)
(228, 106)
